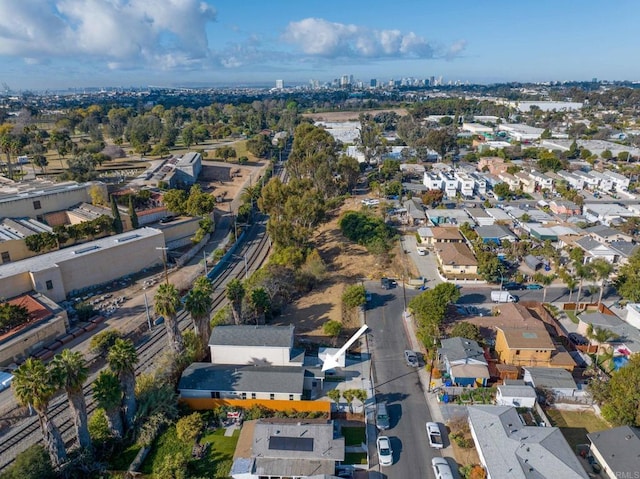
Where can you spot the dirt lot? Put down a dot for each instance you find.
(349, 115)
(347, 263)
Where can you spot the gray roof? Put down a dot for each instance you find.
(551, 378)
(589, 244)
(456, 349)
(523, 391)
(532, 261)
(493, 231)
(619, 447)
(512, 450)
(624, 248)
(252, 336)
(628, 335)
(602, 230)
(225, 377)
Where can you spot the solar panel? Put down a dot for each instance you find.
(529, 335)
(284, 443)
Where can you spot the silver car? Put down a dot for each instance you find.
(411, 359)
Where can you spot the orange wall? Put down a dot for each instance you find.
(276, 405)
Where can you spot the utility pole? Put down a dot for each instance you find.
(164, 261)
(204, 253)
(146, 307)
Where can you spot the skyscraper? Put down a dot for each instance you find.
(279, 84)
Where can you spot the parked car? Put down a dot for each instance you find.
(385, 283)
(578, 339)
(512, 286)
(382, 416)
(441, 468)
(385, 453)
(411, 359)
(433, 433)
(534, 286)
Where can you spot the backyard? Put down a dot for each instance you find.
(575, 425)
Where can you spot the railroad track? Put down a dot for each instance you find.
(150, 345)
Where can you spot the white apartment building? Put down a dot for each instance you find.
(590, 182)
(527, 183)
(620, 182)
(574, 181)
(449, 184)
(465, 183)
(480, 184)
(542, 181)
(604, 182)
(432, 181)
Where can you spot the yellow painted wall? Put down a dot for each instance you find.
(276, 405)
(527, 357)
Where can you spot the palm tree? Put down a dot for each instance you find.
(33, 387)
(70, 372)
(122, 359)
(546, 280)
(167, 303)
(571, 283)
(198, 303)
(108, 393)
(235, 294)
(260, 302)
(600, 336)
(583, 271)
(602, 269)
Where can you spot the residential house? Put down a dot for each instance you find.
(498, 214)
(480, 216)
(479, 184)
(415, 212)
(279, 448)
(449, 184)
(530, 345)
(426, 235)
(543, 181)
(594, 249)
(509, 449)
(558, 381)
(625, 339)
(575, 182)
(590, 182)
(464, 361)
(606, 213)
(446, 234)
(606, 234)
(432, 181)
(495, 234)
(527, 184)
(456, 259)
(620, 182)
(493, 164)
(564, 208)
(533, 262)
(439, 217)
(516, 396)
(509, 179)
(624, 250)
(551, 233)
(465, 183)
(616, 450)
(604, 182)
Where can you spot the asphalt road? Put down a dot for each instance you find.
(398, 385)
(482, 294)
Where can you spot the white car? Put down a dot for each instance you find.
(441, 468)
(411, 358)
(385, 454)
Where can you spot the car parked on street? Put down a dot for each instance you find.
(533, 286)
(441, 468)
(411, 359)
(512, 286)
(385, 453)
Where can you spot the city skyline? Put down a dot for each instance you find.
(56, 44)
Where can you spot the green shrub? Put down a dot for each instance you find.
(354, 296)
(332, 328)
(189, 427)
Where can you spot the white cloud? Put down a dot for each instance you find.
(321, 38)
(167, 32)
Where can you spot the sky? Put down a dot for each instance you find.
(56, 44)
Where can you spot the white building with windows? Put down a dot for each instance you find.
(542, 181)
(620, 182)
(479, 183)
(604, 182)
(590, 182)
(432, 181)
(572, 180)
(449, 184)
(465, 183)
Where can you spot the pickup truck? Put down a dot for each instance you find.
(433, 433)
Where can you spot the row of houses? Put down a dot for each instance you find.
(467, 184)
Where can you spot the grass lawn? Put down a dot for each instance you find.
(572, 316)
(576, 424)
(355, 458)
(216, 463)
(353, 436)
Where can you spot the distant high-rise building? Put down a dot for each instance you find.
(279, 84)
(345, 80)
(373, 83)
(432, 81)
